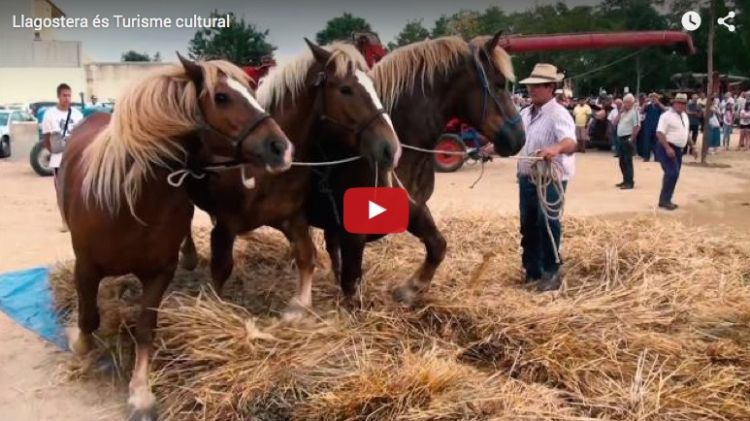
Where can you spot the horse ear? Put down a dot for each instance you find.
(321, 54)
(492, 43)
(192, 69)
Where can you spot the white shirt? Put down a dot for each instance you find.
(54, 123)
(675, 127)
(613, 114)
(551, 124)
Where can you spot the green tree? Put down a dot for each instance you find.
(341, 28)
(133, 55)
(413, 31)
(441, 27)
(241, 42)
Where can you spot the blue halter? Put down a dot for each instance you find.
(509, 123)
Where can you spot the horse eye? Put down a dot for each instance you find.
(221, 98)
(499, 86)
(346, 90)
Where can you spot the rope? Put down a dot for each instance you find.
(181, 175)
(545, 175)
(325, 163)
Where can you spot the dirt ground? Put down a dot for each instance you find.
(32, 381)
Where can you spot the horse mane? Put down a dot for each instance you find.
(417, 64)
(143, 131)
(289, 80)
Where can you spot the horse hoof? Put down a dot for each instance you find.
(352, 303)
(294, 312)
(79, 343)
(146, 414)
(405, 295)
(189, 261)
(142, 406)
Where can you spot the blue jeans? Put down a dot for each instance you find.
(538, 252)
(671, 169)
(727, 129)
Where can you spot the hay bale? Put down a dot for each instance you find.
(653, 323)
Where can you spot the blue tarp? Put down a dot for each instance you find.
(26, 297)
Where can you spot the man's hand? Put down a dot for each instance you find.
(549, 153)
(670, 152)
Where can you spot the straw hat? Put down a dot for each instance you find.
(680, 98)
(543, 73)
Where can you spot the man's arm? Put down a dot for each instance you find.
(46, 141)
(565, 130)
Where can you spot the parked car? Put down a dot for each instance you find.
(9, 117)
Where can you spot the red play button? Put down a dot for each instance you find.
(376, 210)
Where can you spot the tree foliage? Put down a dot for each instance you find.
(341, 28)
(612, 69)
(132, 55)
(414, 31)
(241, 43)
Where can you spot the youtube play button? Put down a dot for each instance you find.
(376, 210)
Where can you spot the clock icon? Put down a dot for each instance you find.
(691, 21)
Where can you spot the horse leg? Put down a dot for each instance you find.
(422, 226)
(222, 260)
(333, 247)
(352, 249)
(87, 281)
(141, 401)
(298, 233)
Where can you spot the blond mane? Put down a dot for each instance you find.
(142, 132)
(417, 65)
(289, 80)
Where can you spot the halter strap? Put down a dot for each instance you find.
(320, 82)
(509, 123)
(236, 141)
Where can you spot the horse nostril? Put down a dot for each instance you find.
(386, 156)
(277, 147)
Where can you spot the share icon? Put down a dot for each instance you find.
(723, 21)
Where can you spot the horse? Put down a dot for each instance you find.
(118, 192)
(422, 85)
(324, 96)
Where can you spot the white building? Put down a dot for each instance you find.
(33, 63)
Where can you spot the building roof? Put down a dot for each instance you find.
(56, 11)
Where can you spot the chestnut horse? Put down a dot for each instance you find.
(422, 85)
(123, 209)
(323, 97)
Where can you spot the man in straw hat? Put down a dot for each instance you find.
(672, 132)
(550, 134)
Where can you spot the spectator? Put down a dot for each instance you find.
(695, 115)
(652, 111)
(612, 119)
(57, 124)
(745, 128)
(582, 115)
(714, 124)
(629, 122)
(728, 121)
(673, 132)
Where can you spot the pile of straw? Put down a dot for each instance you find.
(653, 323)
